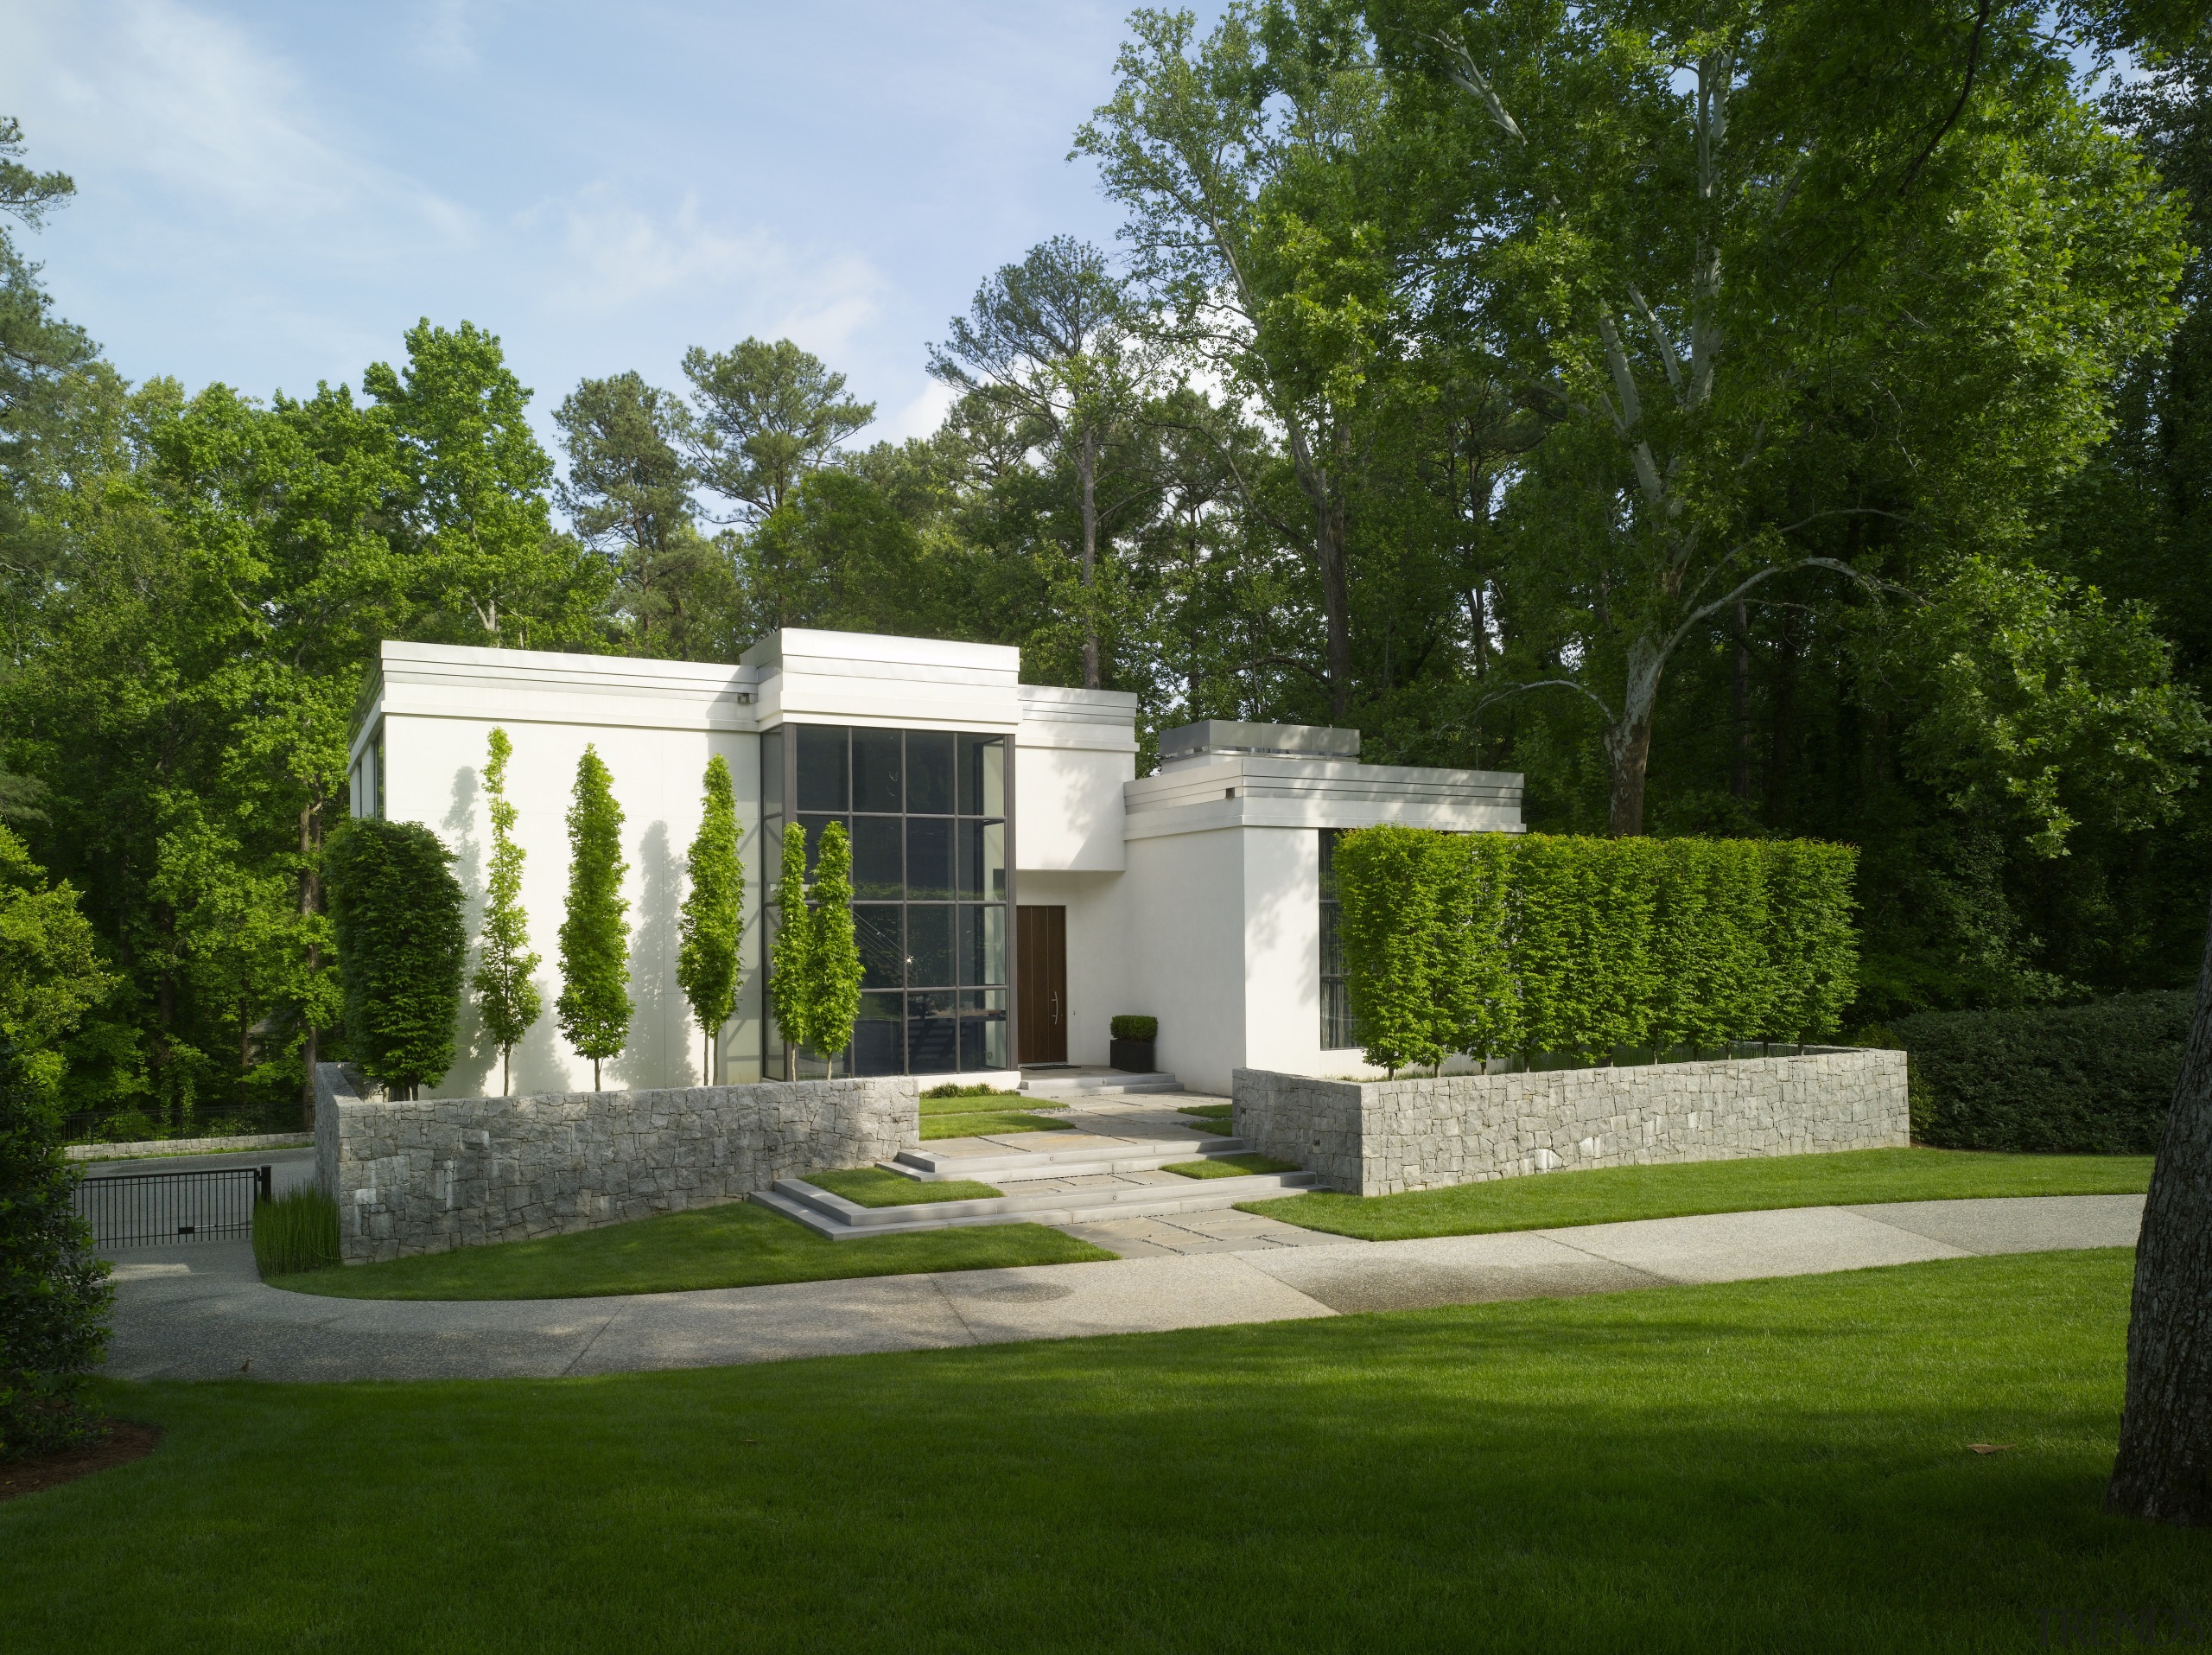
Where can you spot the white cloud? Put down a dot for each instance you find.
(921, 416)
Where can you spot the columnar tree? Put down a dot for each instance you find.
(2163, 1470)
(713, 918)
(594, 1004)
(506, 997)
(833, 952)
(396, 909)
(788, 961)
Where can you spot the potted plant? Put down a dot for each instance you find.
(1131, 1047)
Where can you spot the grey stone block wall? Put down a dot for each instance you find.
(1381, 1137)
(429, 1176)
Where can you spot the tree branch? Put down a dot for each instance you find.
(1974, 62)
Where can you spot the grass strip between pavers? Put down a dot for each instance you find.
(1209, 1117)
(969, 1099)
(736, 1244)
(1242, 1166)
(983, 1124)
(1614, 1194)
(1760, 1465)
(874, 1187)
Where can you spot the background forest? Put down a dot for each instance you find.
(1787, 419)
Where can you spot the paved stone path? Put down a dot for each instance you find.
(199, 1312)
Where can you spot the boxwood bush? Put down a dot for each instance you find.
(2094, 1080)
(1130, 1028)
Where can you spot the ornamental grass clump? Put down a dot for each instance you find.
(295, 1232)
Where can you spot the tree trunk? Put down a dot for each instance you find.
(506, 1072)
(2163, 1471)
(1628, 756)
(1087, 466)
(594, 1075)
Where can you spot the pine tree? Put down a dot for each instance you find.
(789, 961)
(594, 1003)
(506, 995)
(713, 918)
(833, 953)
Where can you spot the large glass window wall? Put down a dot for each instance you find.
(927, 813)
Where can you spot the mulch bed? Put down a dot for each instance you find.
(123, 1444)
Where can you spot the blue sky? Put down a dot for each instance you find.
(269, 195)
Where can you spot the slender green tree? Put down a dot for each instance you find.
(713, 918)
(594, 1003)
(833, 952)
(397, 911)
(506, 997)
(789, 962)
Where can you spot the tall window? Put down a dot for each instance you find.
(926, 811)
(1339, 1029)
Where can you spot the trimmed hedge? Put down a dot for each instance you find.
(2094, 1080)
(1489, 943)
(1130, 1026)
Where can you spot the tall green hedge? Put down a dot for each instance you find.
(394, 908)
(1486, 943)
(2094, 1080)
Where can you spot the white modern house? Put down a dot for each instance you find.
(1016, 883)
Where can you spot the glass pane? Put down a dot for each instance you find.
(772, 774)
(929, 945)
(878, 1038)
(929, 859)
(982, 776)
(875, 770)
(813, 824)
(877, 929)
(879, 858)
(983, 1029)
(929, 772)
(821, 766)
(982, 859)
(932, 1042)
(982, 946)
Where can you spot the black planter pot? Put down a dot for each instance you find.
(1135, 1056)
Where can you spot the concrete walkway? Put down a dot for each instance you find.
(199, 1312)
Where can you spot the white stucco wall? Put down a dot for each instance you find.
(1097, 960)
(1185, 951)
(1069, 802)
(433, 775)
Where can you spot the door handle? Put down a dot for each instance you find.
(1056, 1006)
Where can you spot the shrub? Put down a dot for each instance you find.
(1127, 1027)
(2094, 1080)
(54, 1292)
(394, 908)
(296, 1231)
(788, 953)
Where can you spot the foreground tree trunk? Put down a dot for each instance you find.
(2163, 1472)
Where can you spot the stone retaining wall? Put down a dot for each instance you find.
(441, 1173)
(1381, 1137)
(158, 1148)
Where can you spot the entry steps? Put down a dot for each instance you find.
(1051, 1086)
(1150, 1191)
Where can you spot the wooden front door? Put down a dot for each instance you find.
(1041, 954)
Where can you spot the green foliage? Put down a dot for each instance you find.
(1127, 1028)
(506, 997)
(833, 964)
(790, 955)
(54, 1291)
(2096, 1080)
(713, 918)
(1486, 943)
(396, 907)
(594, 1004)
(768, 415)
(295, 1232)
(50, 971)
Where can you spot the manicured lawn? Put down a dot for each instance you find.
(872, 1186)
(1771, 1466)
(738, 1245)
(969, 1099)
(987, 1123)
(1230, 1167)
(1209, 1117)
(1610, 1194)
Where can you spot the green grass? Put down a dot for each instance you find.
(976, 1124)
(1771, 1466)
(1211, 1117)
(1610, 1194)
(872, 1186)
(738, 1245)
(1230, 1167)
(959, 1100)
(296, 1230)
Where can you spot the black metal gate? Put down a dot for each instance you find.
(146, 1209)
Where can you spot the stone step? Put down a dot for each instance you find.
(841, 1220)
(1119, 1084)
(1129, 1154)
